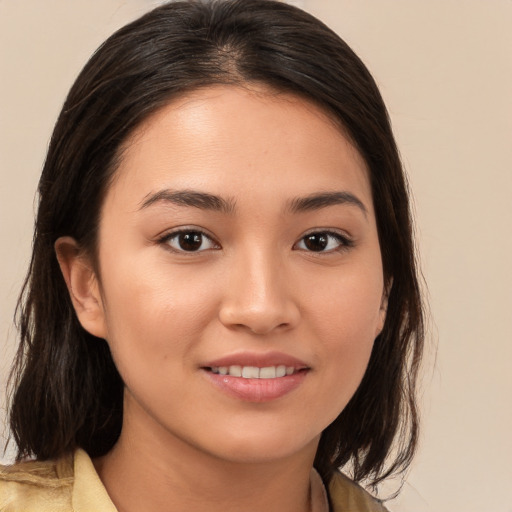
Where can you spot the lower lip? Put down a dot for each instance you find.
(257, 390)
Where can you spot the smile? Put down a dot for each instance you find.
(254, 372)
(256, 377)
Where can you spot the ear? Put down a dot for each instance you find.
(83, 286)
(383, 307)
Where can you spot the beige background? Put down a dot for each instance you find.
(445, 70)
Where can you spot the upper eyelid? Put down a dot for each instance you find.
(186, 229)
(171, 234)
(345, 240)
(330, 231)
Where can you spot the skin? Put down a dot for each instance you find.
(186, 445)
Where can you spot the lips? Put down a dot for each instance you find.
(259, 360)
(253, 372)
(256, 377)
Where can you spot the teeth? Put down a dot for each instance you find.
(250, 372)
(235, 371)
(268, 372)
(253, 372)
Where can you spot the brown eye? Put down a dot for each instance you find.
(316, 242)
(323, 241)
(190, 241)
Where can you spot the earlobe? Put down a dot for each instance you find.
(83, 286)
(383, 308)
(382, 318)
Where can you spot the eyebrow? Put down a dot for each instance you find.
(320, 200)
(206, 201)
(201, 200)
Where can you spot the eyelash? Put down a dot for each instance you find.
(344, 241)
(168, 237)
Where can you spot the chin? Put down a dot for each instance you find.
(258, 447)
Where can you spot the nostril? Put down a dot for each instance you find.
(259, 324)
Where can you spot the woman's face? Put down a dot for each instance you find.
(239, 237)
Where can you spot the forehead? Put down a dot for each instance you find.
(233, 139)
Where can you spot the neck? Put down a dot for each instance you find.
(145, 471)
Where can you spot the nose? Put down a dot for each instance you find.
(258, 298)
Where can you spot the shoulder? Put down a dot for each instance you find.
(37, 485)
(347, 496)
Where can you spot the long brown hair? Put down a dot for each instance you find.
(67, 392)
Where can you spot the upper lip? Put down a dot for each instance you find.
(260, 360)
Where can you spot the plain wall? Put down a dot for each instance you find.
(445, 71)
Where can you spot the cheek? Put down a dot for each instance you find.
(347, 307)
(346, 317)
(155, 316)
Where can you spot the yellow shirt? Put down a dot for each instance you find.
(71, 484)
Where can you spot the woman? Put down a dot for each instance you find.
(222, 306)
